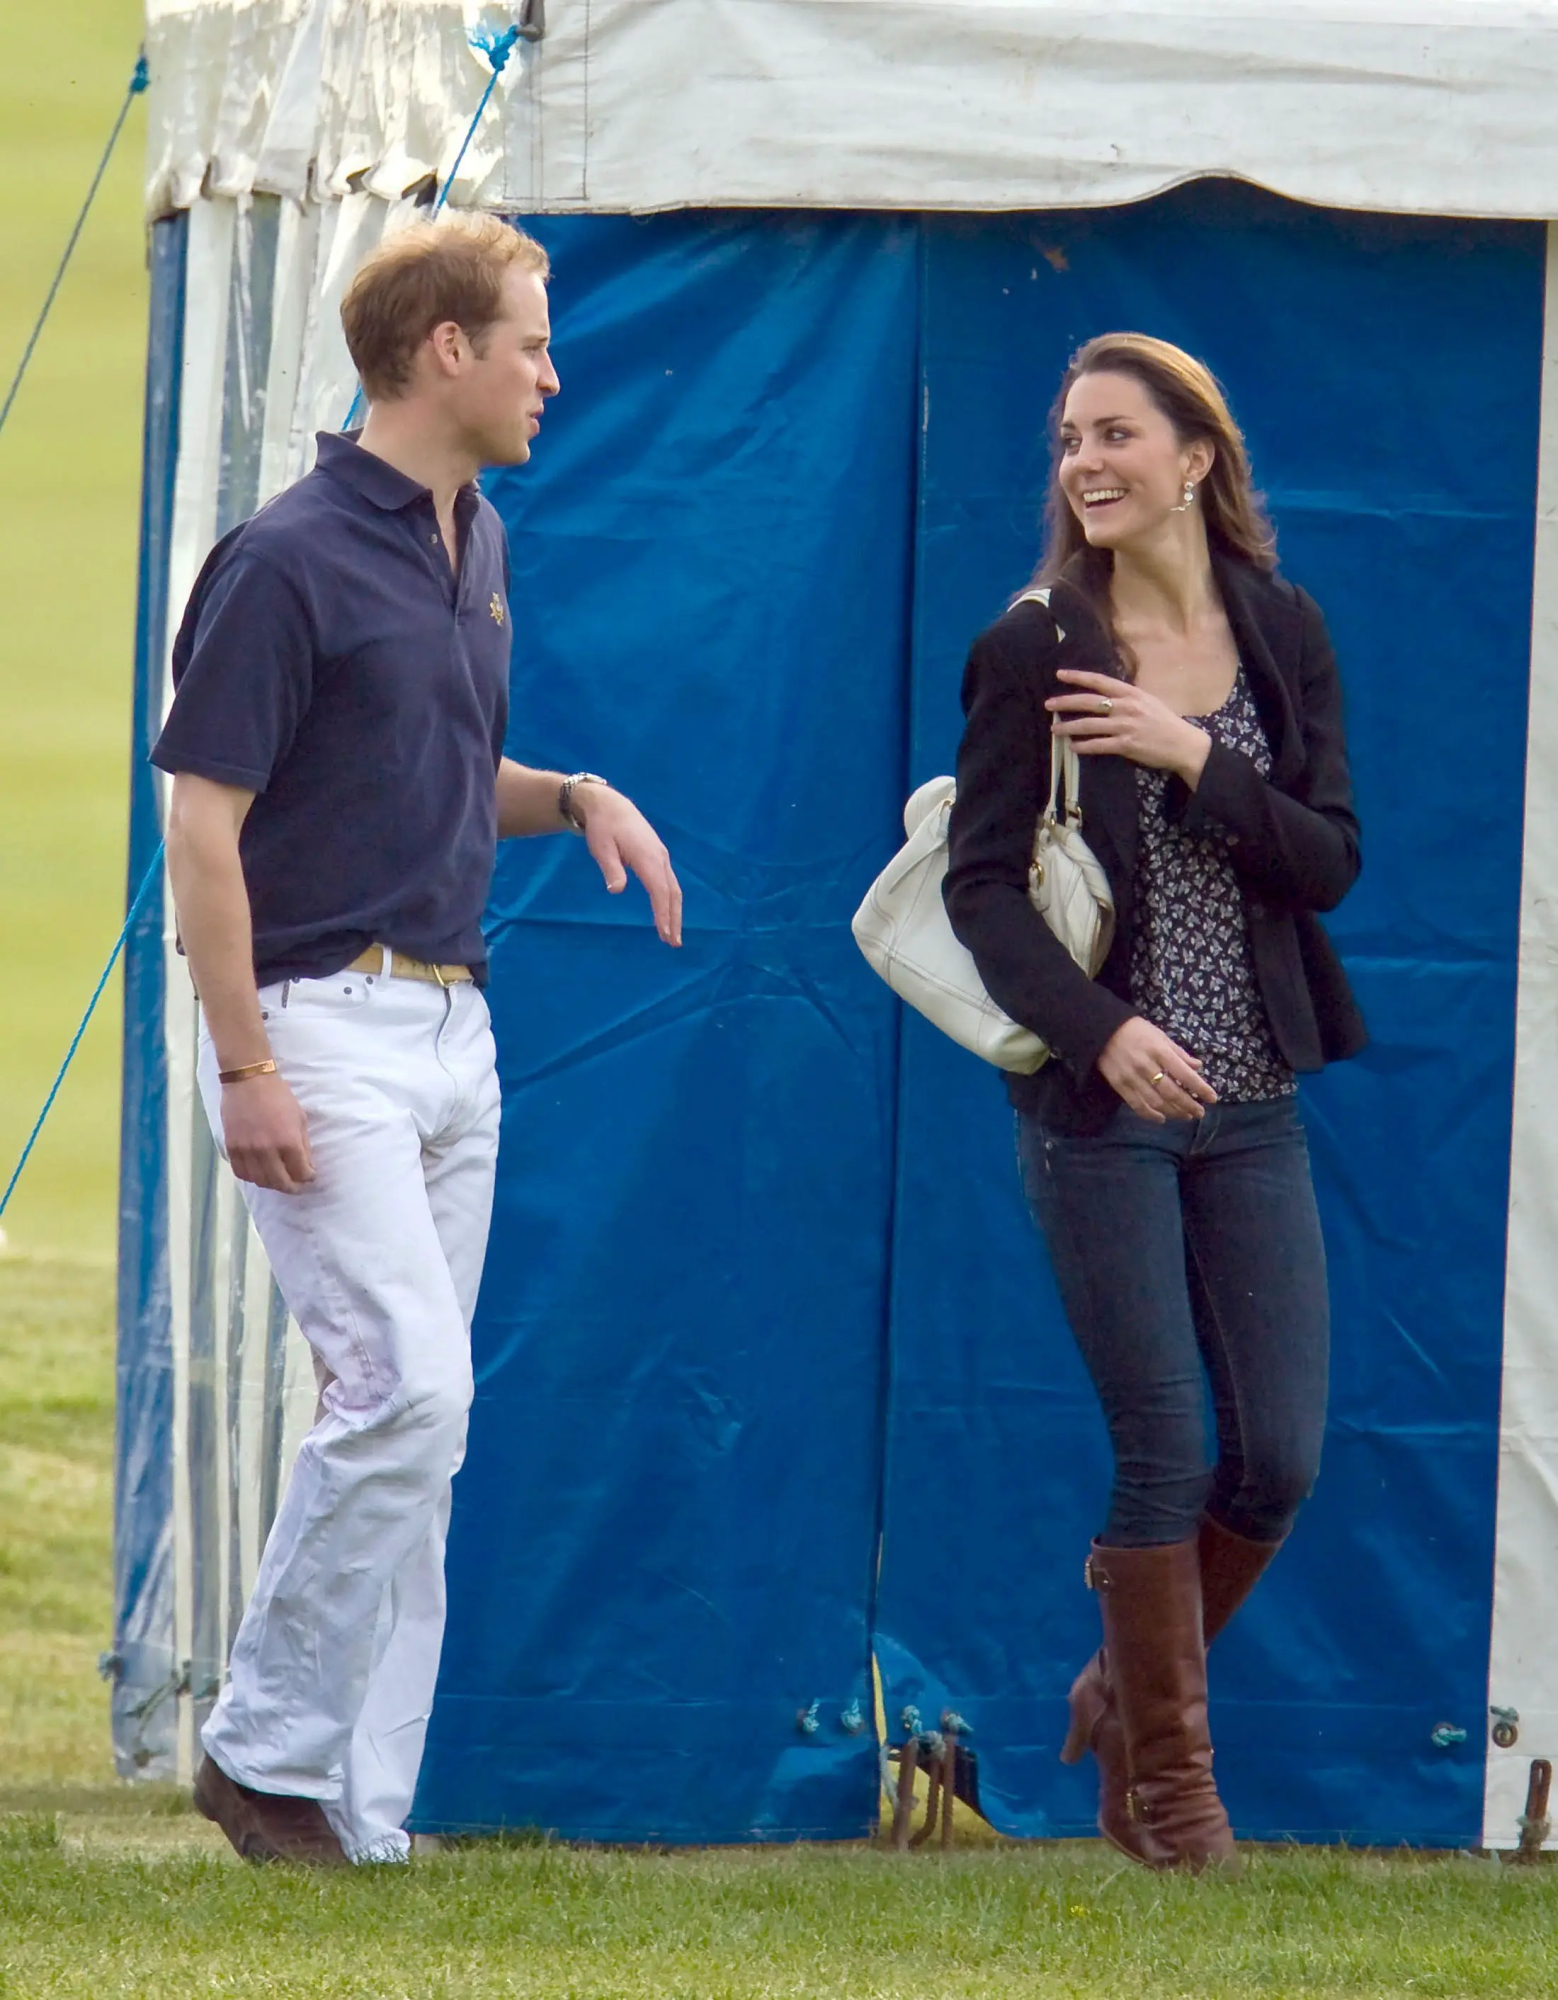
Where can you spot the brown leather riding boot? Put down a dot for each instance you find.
(1231, 1566)
(1150, 1600)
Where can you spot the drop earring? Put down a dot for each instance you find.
(1185, 504)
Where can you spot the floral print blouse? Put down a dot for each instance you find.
(1192, 969)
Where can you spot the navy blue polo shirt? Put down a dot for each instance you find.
(331, 663)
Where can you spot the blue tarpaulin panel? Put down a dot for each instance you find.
(1386, 373)
(762, 1302)
(664, 1538)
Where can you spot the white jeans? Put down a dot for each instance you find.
(333, 1667)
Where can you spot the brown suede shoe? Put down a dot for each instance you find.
(265, 1826)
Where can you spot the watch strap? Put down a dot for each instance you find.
(565, 792)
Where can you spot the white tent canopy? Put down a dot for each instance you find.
(1443, 107)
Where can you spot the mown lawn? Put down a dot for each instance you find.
(56, 1454)
(101, 1905)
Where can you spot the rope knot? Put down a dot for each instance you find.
(496, 48)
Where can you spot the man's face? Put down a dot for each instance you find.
(502, 390)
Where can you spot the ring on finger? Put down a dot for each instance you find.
(1106, 705)
(1154, 1081)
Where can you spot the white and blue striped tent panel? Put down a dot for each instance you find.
(263, 367)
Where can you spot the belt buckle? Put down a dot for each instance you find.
(438, 973)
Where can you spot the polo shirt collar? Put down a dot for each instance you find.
(342, 457)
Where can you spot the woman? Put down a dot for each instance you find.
(1161, 1147)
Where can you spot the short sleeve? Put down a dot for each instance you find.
(243, 673)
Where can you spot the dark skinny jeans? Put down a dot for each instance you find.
(1189, 1254)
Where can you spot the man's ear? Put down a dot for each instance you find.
(448, 346)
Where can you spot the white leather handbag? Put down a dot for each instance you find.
(903, 929)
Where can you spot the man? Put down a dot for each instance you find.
(335, 742)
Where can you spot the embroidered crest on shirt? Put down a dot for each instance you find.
(496, 608)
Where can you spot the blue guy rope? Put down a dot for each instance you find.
(138, 82)
(497, 49)
(139, 79)
(153, 874)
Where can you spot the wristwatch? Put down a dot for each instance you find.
(565, 790)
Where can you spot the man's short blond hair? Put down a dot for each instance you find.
(423, 275)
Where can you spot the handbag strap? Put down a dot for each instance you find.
(1065, 781)
(1065, 767)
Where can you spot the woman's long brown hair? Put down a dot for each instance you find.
(1188, 394)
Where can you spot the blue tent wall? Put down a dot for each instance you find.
(664, 1537)
(795, 466)
(1386, 373)
(1372, 361)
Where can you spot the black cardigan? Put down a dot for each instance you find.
(1295, 835)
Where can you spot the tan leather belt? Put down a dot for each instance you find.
(401, 967)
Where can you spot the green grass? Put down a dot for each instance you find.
(103, 1906)
(56, 1454)
(69, 478)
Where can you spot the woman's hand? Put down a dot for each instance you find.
(1153, 1074)
(1110, 718)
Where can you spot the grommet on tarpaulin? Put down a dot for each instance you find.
(1506, 1727)
(853, 1719)
(1446, 1735)
(809, 1720)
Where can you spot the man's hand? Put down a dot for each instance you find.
(266, 1134)
(620, 838)
(263, 1129)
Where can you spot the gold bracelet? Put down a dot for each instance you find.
(266, 1068)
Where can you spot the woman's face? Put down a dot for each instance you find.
(1122, 467)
